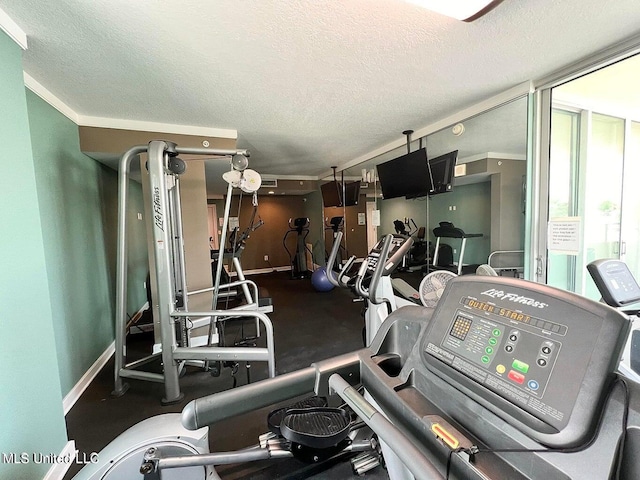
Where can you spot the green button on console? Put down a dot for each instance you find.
(485, 359)
(496, 332)
(488, 350)
(520, 366)
(492, 341)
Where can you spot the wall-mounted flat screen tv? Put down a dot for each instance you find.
(405, 176)
(331, 193)
(352, 193)
(442, 169)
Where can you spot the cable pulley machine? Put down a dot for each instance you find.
(165, 168)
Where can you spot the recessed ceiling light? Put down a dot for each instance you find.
(467, 10)
(271, 192)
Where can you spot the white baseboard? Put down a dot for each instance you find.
(58, 470)
(72, 397)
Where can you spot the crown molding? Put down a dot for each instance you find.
(512, 93)
(121, 124)
(40, 90)
(11, 28)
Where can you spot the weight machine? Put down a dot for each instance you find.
(174, 317)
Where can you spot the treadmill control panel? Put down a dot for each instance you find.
(615, 282)
(528, 351)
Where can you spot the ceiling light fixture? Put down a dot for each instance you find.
(466, 10)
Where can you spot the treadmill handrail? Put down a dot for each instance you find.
(420, 466)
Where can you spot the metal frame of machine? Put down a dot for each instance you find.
(164, 168)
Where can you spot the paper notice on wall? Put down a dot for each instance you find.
(375, 218)
(563, 235)
(362, 219)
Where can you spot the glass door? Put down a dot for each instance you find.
(563, 189)
(601, 197)
(630, 226)
(585, 183)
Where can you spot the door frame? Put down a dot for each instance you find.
(538, 151)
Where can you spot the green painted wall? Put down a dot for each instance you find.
(399, 208)
(31, 416)
(78, 206)
(472, 214)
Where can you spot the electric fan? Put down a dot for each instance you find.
(432, 286)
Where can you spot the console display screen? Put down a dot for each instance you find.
(526, 351)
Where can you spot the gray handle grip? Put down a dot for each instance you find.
(213, 408)
(420, 466)
(332, 259)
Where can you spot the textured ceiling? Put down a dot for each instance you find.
(307, 84)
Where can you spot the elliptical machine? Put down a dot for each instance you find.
(297, 260)
(372, 282)
(417, 257)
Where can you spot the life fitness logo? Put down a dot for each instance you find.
(514, 297)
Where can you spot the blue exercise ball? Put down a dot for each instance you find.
(320, 281)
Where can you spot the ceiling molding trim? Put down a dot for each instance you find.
(517, 91)
(493, 156)
(590, 63)
(121, 124)
(11, 28)
(40, 90)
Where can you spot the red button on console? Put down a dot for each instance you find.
(516, 377)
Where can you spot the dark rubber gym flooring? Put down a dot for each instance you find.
(308, 326)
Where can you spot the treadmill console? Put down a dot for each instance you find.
(615, 282)
(529, 353)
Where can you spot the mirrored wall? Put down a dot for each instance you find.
(488, 193)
